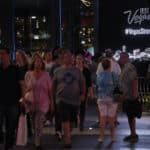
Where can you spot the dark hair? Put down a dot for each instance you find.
(106, 63)
(108, 53)
(6, 49)
(28, 53)
(55, 54)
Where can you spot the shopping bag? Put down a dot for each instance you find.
(22, 131)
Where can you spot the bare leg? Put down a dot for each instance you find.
(67, 133)
(111, 121)
(132, 125)
(102, 126)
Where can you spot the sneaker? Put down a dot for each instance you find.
(59, 135)
(131, 138)
(100, 140)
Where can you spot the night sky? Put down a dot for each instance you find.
(113, 23)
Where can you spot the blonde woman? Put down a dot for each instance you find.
(39, 81)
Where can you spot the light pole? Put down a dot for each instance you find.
(13, 31)
(96, 26)
(60, 23)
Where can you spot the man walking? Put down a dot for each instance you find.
(10, 92)
(129, 84)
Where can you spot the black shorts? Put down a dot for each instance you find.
(133, 108)
(68, 112)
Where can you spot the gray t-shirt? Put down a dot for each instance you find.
(128, 75)
(69, 83)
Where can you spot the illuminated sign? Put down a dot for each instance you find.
(138, 16)
(141, 31)
(87, 3)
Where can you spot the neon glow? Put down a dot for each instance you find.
(135, 32)
(138, 16)
(87, 3)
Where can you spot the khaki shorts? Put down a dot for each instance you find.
(107, 108)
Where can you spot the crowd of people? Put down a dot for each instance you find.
(55, 85)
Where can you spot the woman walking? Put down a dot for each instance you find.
(39, 81)
(106, 106)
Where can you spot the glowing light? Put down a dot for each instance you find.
(44, 19)
(33, 17)
(135, 32)
(80, 32)
(37, 24)
(138, 16)
(87, 3)
(90, 128)
(83, 42)
(83, 28)
(36, 37)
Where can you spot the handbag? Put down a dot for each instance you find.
(27, 101)
(22, 131)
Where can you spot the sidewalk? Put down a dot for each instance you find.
(88, 138)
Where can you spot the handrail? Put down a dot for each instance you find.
(144, 92)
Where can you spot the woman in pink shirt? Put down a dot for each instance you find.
(40, 83)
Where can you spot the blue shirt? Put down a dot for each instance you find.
(106, 83)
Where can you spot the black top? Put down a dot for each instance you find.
(9, 86)
(87, 76)
(22, 71)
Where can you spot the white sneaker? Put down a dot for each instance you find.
(59, 135)
(100, 140)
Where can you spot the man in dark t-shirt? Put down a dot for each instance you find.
(9, 97)
(69, 91)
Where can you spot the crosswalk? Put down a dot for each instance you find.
(87, 140)
(92, 126)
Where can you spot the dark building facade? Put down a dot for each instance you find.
(45, 24)
(125, 22)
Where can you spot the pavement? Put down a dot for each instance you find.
(87, 140)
